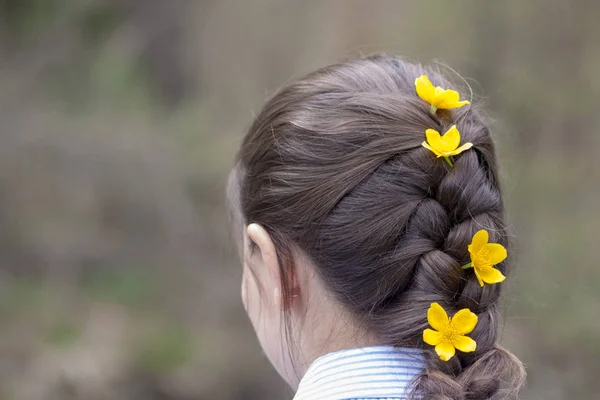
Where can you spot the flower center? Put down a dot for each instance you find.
(484, 258)
(449, 335)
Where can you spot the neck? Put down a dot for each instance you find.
(331, 331)
(322, 325)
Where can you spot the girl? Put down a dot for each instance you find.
(373, 237)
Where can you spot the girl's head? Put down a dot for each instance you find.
(352, 229)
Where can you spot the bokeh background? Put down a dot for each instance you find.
(119, 121)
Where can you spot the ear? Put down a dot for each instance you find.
(267, 267)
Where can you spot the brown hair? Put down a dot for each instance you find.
(333, 166)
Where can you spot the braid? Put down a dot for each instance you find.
(462, 200)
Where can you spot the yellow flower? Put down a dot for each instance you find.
(484, 256)
(436, 96)
(446, 145)
(449, 333)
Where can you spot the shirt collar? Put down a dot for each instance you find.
(365, 373)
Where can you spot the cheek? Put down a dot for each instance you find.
(260, 310)
(267, 323)
(251, 298)
(244, 291)
(246, 281)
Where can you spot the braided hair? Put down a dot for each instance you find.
(333, 166)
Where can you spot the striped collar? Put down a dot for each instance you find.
(377, 372)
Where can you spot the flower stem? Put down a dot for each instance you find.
(467, 266)
(447, 159)
(433, 110)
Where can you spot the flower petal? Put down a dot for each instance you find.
(425, 89)
(477, 271)
(459, 104)
(432, 337)
(428, 147)
(497, 253)
(448, 98)
(451, 139)
(436, 144)
(463, 321)
(437, 317)
(445, 350)
(464, 344)
(462, 148)
(479, 240)
(491, 276)
(433, 138)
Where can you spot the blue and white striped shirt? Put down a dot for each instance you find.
(377, 372)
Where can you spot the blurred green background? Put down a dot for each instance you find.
(119, 121)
